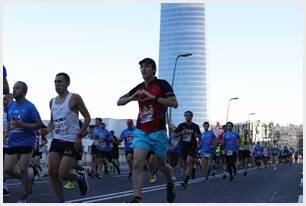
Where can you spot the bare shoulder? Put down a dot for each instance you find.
(75, 99)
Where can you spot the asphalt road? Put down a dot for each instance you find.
(260, 186)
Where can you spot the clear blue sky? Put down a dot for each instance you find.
(254, 52)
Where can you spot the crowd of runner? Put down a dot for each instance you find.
(178, 155)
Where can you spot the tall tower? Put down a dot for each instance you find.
(182, 31)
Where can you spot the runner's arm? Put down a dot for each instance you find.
(50, 127)
(130, 96)
(83, 110)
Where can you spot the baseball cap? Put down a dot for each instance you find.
(148, 61)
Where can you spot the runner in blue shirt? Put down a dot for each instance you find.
(207, 144)
(95, 138)
(23, 119)
(127, 136)
(104, 148)
(274, 153)
(230, 141)
(258, 152)
(174, 152)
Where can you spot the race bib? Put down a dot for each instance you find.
(206, 154)
(258, 152)
(129, 139)
(102, 145)
(187, 135)
(245, 147)
(174, 142)
(229, 152)
(96, 142)
(146, 114)
(61, 126)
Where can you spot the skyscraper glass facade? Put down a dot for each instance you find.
(182, 30)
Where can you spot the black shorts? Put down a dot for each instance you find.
(128, 152)
(65, 148)
(151, 152)
(244, 154)
(19, 150)
(106, 155)
(258, 158)
(173, 158)
(78, 156)
(115, 155)
(188, 149)
(93, 150)
(4, 151)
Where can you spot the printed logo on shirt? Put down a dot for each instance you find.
(146, 114)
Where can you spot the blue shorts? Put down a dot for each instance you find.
(207, 154)
(156, 141)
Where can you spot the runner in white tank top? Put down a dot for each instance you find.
(65, 121)
(64, 124)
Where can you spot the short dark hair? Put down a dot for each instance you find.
(66, 77)
(231, 123)
(206, 123)
(188, 112)
(99, 119)
(24, 85)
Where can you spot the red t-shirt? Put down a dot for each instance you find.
(152, 115)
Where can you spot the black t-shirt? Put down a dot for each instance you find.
(192, 131)
(115, 148)
(152, 115)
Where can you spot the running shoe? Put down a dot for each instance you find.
(83, 184)
(69, 185)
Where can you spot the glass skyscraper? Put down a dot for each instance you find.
(182, 30)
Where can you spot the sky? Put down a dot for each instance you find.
(254, 52)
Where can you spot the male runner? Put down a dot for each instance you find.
(207, 144)
(189, 133)
(174, 152)
(258, 153)
(230, 141)
(67, 135)
(274, 154)
(153, 96)
(127, 136)
(244, 151)
(23, 119)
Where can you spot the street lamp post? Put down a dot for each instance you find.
(172, 83)
(250, 124)
(229, 102)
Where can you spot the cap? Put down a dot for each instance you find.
(129, 121)
(148, 61)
